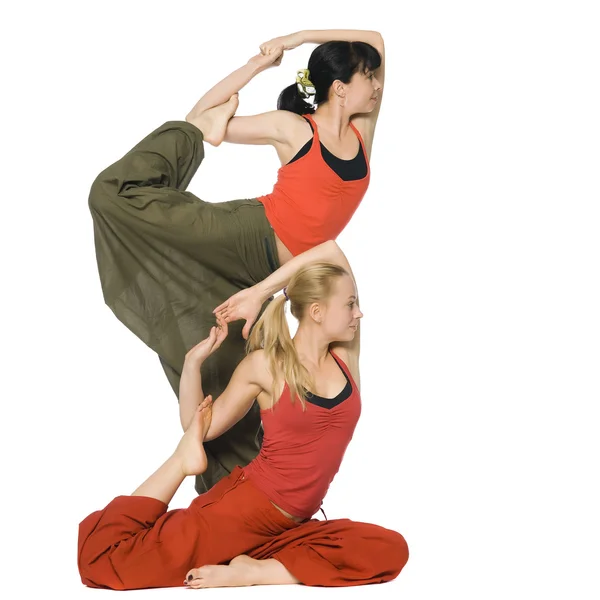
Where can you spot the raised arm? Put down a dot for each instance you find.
(234, 82)
(233, 404)
(247, 303)
(237, 398)
(320, 36)
(364, 122)
(326, 252)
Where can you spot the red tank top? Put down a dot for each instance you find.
(302, 450)
(310, 203)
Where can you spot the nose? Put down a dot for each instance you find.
(376, 84)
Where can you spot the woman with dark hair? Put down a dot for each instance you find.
(167, 258)
(255, 526)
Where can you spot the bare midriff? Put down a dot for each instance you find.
(287, 514)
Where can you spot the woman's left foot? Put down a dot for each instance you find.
(190, 449)
(240, 572)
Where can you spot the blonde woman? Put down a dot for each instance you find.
(256, 526)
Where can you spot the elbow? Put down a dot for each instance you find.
(335, 254)
(378, 43)
(332, 250)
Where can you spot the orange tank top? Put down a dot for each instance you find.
(302, 450)
(310, 203)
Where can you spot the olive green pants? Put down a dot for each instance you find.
(166, 259)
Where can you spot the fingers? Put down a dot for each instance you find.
(223, 314)
(222, 333)
(221, 307)
(222, 323)
(247, 327)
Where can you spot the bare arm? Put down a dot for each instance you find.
(326, 252)
(234, 82)
(320, 36)
(247, 303)
(366, 122)
(238, 397)
(232, 405)
(190, 384)
(190, 390)
(266, 128)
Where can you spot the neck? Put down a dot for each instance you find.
(333, 118)
(311, 347)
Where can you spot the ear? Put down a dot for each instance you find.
(315, 312)
(339, 88)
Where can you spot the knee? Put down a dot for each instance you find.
(398, 551)
(101, 195)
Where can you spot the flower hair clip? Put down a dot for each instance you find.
(304, 84)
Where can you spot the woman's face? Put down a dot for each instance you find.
(340, 315)
(363, 92)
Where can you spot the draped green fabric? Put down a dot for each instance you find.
(166, 259)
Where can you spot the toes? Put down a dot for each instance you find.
(194, 579)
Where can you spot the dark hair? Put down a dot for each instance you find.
(328, 62)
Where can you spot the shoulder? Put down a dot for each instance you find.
(290, 124)
(283, 118)
(256, 365)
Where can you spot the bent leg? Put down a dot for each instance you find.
(166, 259)
(338, 553)
(135, 543)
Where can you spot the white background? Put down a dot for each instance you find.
(476, 251)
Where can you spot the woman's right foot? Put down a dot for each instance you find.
(213, 122)
(241, 571)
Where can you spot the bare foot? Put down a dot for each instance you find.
(241, 571)
(190, 449)
(213, 122)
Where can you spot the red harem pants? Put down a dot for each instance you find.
(135, 543)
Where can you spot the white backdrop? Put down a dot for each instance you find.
(475, 250)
